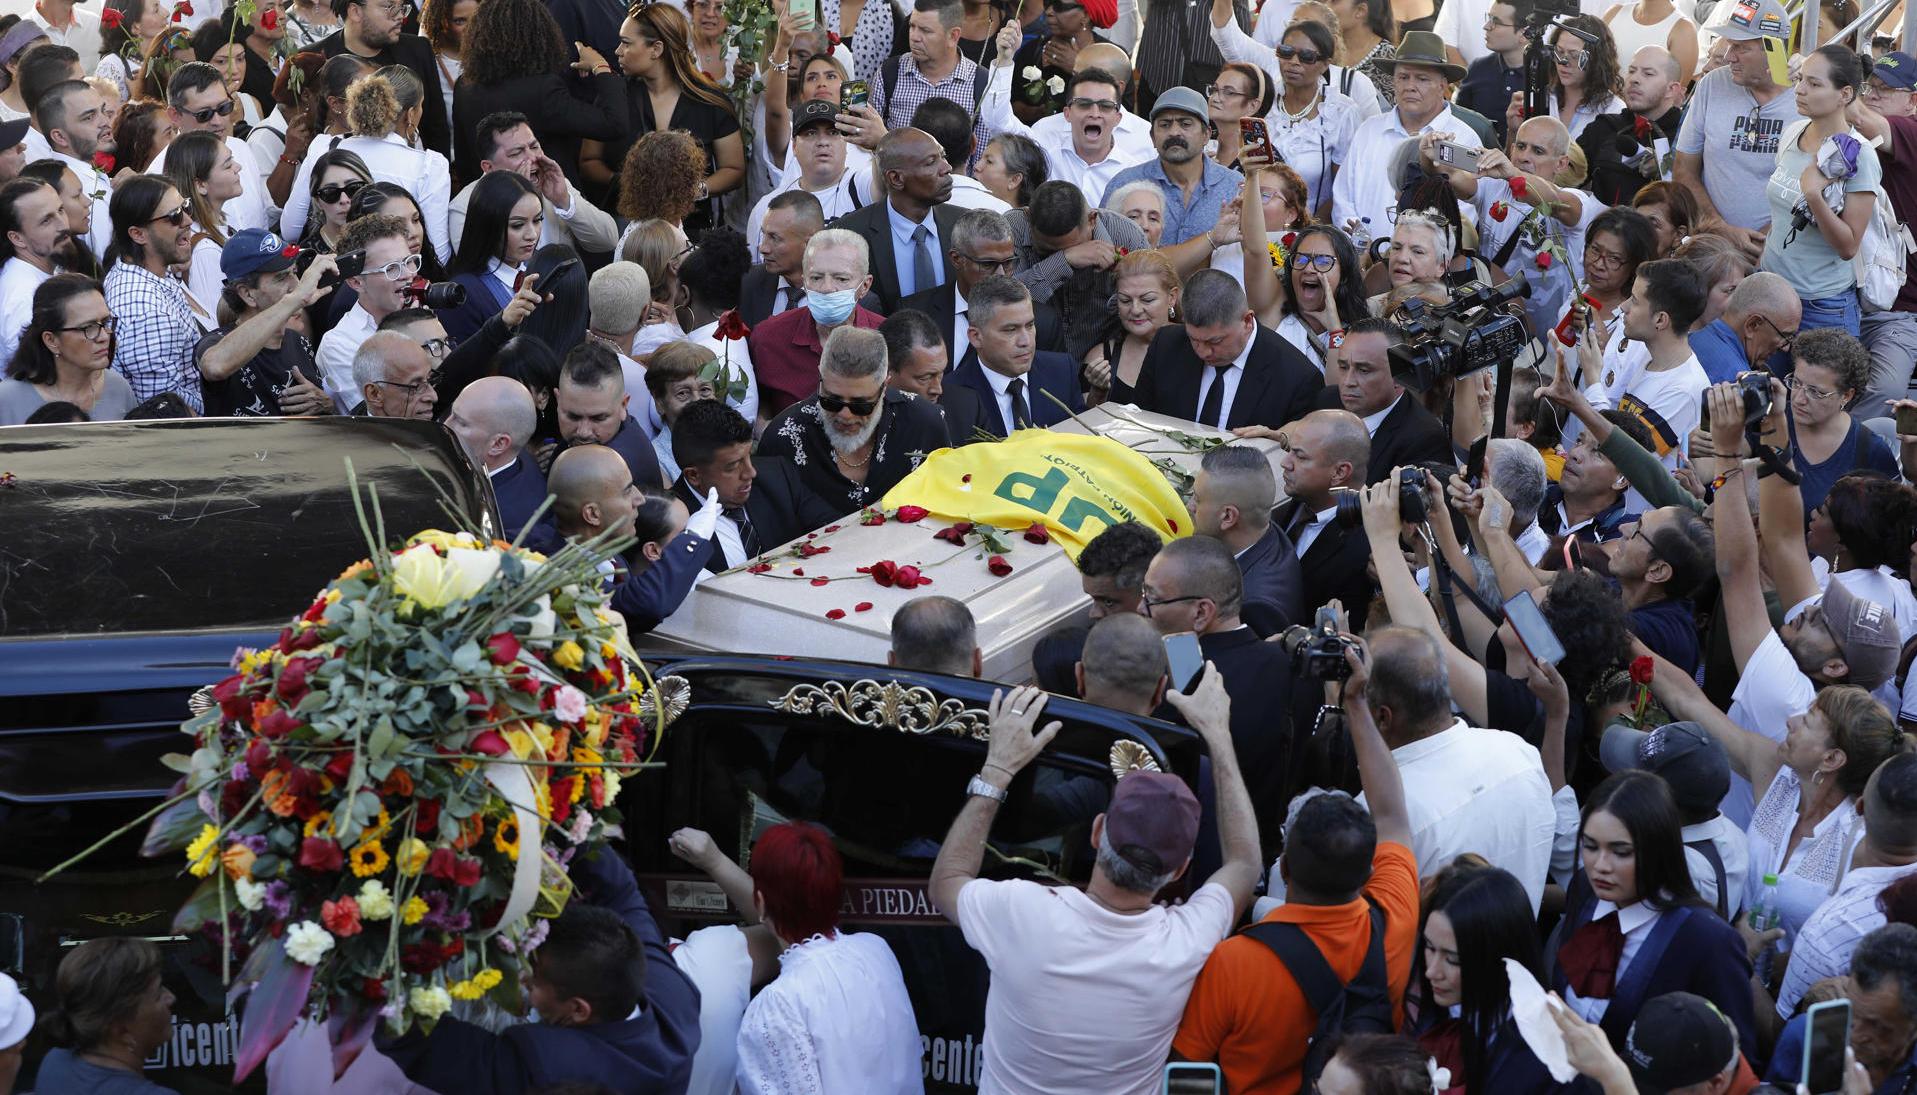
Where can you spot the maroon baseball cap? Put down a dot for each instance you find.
(1152, 822)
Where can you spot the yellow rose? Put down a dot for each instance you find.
(199, 854)
(568, 655)
(437, 538)
(412, 855)
(413, 911)
(422, 576)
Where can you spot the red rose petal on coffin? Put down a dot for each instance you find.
(998, 566)
(910, 514)
(1173, 523)
(821, 581)
(800, 571)
(831, 528)
(836, 614)
(758, 568)
(862, 606)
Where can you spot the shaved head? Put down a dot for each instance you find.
(1124, 663)
(1103, 55)
(1548, 132)
(589, 484)
(493, 418)
(1343, 439)
(1658, 59)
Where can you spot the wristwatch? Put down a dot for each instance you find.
(979, 787)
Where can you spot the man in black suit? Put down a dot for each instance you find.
(981, 247)
(593, 404)
(1231, 501)
(1018, 385)
(761, 505)
(494, 417)
(907, 232)
(1402, 431)
(1193, 585)
(916, 359)
(374, 30)
(777, 283)
(1221, 368)
(1327, 452)
(593, 493)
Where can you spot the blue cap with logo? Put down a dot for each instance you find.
(1898, 69)
(255, 251)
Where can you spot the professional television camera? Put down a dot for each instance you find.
(1545, 28)
(1470, 332)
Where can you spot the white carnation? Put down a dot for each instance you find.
(307, 943)
(251, 894)
(375, 901)
(430, 1003)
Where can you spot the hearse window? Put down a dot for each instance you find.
(887, 798)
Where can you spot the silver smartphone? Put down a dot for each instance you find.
(1462, 157)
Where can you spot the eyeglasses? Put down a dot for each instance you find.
(1797, 385)
(176, 218)
(1571, 57)
(1878, 89)
(438, 348)
(1784, 338)
(411, 390)
(1148, 602)
(1308, 56)
(1637, 533)
(93, 330)
(1598, 256)
(990, 266)
(1320, 263)
(399, 269)
(832, 404)
(1213, 91)
(333, 192)
(1109, 106)
(205, 116)
(401, 11)
(1493, 21)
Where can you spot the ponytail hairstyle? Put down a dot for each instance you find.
(1846, 68)
(374, 106)
(1864, 729)
(190, 160)
(32, 361)
(667, 26)
(99, 984)
(336, 78)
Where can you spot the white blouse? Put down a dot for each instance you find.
(422, 172)
(1816, 865)
(836, 1019)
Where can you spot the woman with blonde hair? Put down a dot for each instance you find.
(1144, 301)
(383, 112)
(203, 170)
(659, 246)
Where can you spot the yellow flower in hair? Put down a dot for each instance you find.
(568, 655)
(199, 854)
(506, 837)
(413, 911)
(368, 858)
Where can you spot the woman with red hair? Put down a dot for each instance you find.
(837, 1017)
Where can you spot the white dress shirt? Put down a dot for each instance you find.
(837, 1018)
(37, 146)
(422, 172)
(81, 35)
(93, 181)
(1732, 847)
(335, 356)
(1001, 391)
(1232, 375)
(1635, 921)
(18, 279)
(253, 207)
(961, 327)
(1370, 193)
(1469, 789)
(731, 540)
(835, 201)
(1376, 418)
(1061, 161)
(1308, 535)
(738, 357)
(505, 275)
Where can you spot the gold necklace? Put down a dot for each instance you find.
(851, 463)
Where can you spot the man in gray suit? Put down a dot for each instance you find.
(506, 143)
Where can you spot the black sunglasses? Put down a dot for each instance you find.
(175, 218)
(333, 192)
(205, 116)
(832, 404)
(1308, 56)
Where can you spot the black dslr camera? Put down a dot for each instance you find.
(420, 293)
(1414, 501)
(1470, 332)
(1755, 389)
(1317, 652)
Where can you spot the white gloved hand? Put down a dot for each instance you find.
(705, 523)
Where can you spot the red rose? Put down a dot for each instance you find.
(758, 568)
(821, 581)
(1518, 188)
(292, 684)
(184, 7)
(305, 638)
(1640, 125)
(426, 819)
(910, 578)
(872, 517)
(465, 871)
(1037, 533)
(524, 682)
(1544, 260)
(318, 608)
(503, 648)
(1641, 669)
(443, 863)
(319, 854)
(341, 917)
(279, 724)
(259, 758)
(373, 989)
(884, 572)
(476, 699)
(269, 20)
(1288, 239)
(110, 18)
(862, 606)
(421, 957)
(835, 614)
(997, 565)
(910, 514)
(1500, 210)
(490, 742)
(341, 765)
(562, 799)
(227, 694)
(732, 326)
(954, 534)
(807, 551)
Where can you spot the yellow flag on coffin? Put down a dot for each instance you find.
(1076, 485)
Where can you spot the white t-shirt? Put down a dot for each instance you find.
(1770, 692)
(1669, 403)
(1550, 287)
(1084, 999)
(718, 962)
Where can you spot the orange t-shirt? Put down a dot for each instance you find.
(1248, 1014)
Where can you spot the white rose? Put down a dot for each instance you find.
(430, 1004)
(307, 943)
(1056, 85)
(1032, 72)
(251, 894)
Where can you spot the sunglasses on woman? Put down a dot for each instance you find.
(1308, 56)
(333, 192)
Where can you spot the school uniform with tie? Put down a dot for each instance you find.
(486, 296)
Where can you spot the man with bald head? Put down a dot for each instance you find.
(909, 232)
(935, 635)
(1759, 319)
(1231, 500)
(493, 418)
(1123, 666)
(394, 377)
(1193, 585)
(1327, 453)
(1653, 93)
(594, 494)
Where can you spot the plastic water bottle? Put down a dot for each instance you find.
(1763, 917)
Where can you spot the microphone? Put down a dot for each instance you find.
(1635, 156)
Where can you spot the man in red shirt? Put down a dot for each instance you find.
(786, 348)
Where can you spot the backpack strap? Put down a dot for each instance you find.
(1307, 964)
(1708, 849)
(889, 79)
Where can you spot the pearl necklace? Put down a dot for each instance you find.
(1293, 119)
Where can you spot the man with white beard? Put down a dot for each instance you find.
(855, 439)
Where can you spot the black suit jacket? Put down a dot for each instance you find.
(964, 413)
(874, 222)
(759, 289)
(1279, 384)
(779, 507)
(1332, 566)
(942, 305)
(651, 595)
(520, 488)
(1273, 584)
(558, 118)
(1052, 373)
(1408, 435)
(416, 53)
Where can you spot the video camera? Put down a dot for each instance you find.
(1470, 332)
(1545, 27)
(1317, 652)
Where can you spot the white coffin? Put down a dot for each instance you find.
(775, 613)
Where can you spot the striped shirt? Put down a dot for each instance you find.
(1825, 943)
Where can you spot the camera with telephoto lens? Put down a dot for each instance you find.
(1414, 501)
(420, 293)
(1317, 652)
(1470, 332)
(1754, 387)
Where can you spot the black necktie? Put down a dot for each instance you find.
(1021, 414)
(1304, 518)
(1215, 398)
(782, 299)
(748, 536)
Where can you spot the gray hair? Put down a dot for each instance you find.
(1408, 675)
(1434, 223)
(839, 237)
(854, 353)
(991, 294)
(935, 634)
(1213, 298)
(1116, 203)
(1764, 294)
(1124, 874)
(977, 226)
(375, 356)
(1518, 473)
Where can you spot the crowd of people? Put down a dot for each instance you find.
(713, 291)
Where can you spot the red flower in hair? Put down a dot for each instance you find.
(110, 18)
(732, 326)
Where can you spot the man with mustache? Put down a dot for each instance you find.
(1196, 188)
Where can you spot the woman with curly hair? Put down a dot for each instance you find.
(443, 23)
(1586, 78)
(124, 44)
(660, 178)
(514, 59)
(666, 91)
(383, 111)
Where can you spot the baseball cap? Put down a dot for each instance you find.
(1866, 634)
(255, 251)
(1683, 753)
(814, 112)
(1180, 98)
(1748, 20)
(16, 1014)
(1679, 1039)
(1898, 69)
(1152, 821)
(13, 132)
